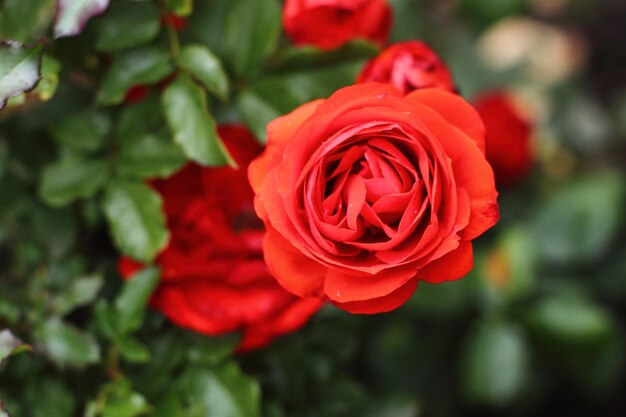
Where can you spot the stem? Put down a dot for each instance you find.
(172, 38)
(170, 30)
(112, 362)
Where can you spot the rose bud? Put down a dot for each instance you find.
(136, 93)
(508, 133)
(408, 66)
(213, 277)
(139, 92)
(171, 20)
(329, 24)
(368, 192)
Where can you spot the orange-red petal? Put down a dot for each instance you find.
(456, 111)
(454, 265)
(381, 304)
(296, 272)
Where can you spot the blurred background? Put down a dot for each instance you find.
(538, 328)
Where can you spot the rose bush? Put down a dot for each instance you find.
(408, 66)
(109, 147)
(508, 136)
(328, 24)
(369, 192)
(214, 279)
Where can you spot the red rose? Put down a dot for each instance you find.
(214, 279)
(508, 133)
(328, 24)
(369, 192)
(408, 66)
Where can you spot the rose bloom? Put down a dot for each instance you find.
(213, 277)
(408, 66)
(509, 147)
(369, 192)
(329, 24)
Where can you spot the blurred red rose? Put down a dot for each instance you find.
(408, 66)
(214, 279)
(508, 133)
(370, 191)
(329, 24)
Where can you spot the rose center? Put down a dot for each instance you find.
(368, 188)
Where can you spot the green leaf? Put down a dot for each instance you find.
(73, 14)
(222, 392)
(495, 361)
(306, 58)
(117, 399)
(211, 350)
(138, 119)
(148, 156)
(131, 303)
(49, 397)
(309, 85)
(491, 10)
(252, 33)
(207, 24)
(170, 406)
(579, 222)
(126, 24)
(206, 68)
(66, 345)
(55, 229)
(10, 345)
(50, 68)
(571, 318)
(19, 70)
(146, 151)
(105, 316)
(272, 97)
(133, 351)
(136, 220)
(146, 65)
(25, 21)
(81, 291)
(258, 106)
(180, 7)
(84, 131)
(71, 178)
(185, 108)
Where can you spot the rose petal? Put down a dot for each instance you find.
(472, 172)
(381, 304)
(354, 196)
(288, 320)
(456, 111)
(454, 265)
(342, 287)
(176, 305)
(279, 133)
(296, 272)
